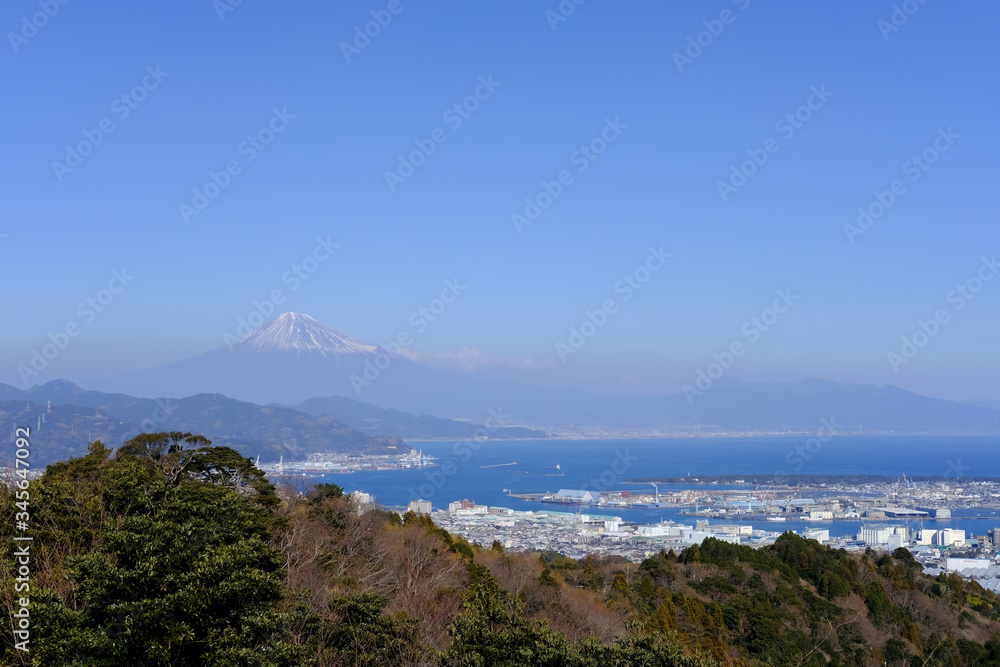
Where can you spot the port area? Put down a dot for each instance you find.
(829, 500)
(317, 465)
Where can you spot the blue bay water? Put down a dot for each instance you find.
(583, 462)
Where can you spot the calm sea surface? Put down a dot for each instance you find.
(606, 464)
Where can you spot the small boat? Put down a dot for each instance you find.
(775, 518)
(555, 467)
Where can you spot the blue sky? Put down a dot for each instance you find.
(554, 90)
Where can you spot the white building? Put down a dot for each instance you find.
(962, 564)
(821, 535)
(880, 534)
(950, 537)
(873, 534)
(362, 498)
(472, 511)
(420, 506)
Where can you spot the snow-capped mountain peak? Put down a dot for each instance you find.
(301, 333)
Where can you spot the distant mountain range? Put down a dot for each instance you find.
(65, 432)
(62, 429)
(370, 419)
(294, 358)
(66, 418)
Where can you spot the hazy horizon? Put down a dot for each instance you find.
(296, 134)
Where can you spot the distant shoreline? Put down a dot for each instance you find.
(800, 480)
(707, 436)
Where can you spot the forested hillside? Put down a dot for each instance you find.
(173, 552)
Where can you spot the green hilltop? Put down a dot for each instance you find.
(172, 551)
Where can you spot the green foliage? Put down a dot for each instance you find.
(646, 587)
(177, 570)
(363, 636)
(657, 649)
(660, 568)
(160, 446)
(454, 543)
(323, 491)
(972, 653)
(709, 585)
(895, 650)
(764, 631)
(881, 611)
(493, 632)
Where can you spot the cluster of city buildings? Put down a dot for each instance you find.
(576, 534)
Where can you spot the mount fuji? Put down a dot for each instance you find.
(294, 332)
(287, 360)
(294, 358)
